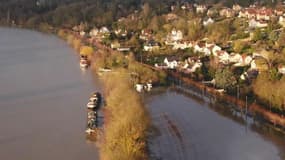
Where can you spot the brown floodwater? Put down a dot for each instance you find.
(42, 99)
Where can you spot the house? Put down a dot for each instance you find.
(199, 47)
(244, 61)
(279, 11)
(208, 21)
(281, 69)
(215, 49)
(196, 66)
(249, 74)
(139, 87)
(160, 66)
(151, 46)
(187, 6)
(259, 64)
(282, 20)
(201, 8)
(171, 62)
(104, 30)
(123, 49)
(237, 7)
(227, 12)
(223, 56)
(148, 87)
(115, 45)
(207, 51)
(146, 34)
(257, 24)
(82, 33)
(212, 12)
(235, 58)
(257, 13)
(264, 14)
(94, 32)
(171, 17)
(182, 45)
(176, 35)
(121, 32)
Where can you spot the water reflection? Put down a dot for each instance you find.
(210, 129)
(42, 99)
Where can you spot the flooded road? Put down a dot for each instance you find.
(42, 99)
(188, 128)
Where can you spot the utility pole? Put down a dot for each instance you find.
(8, 16)
(246, 108)
(237, 93)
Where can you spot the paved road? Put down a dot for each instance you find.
(187, 129)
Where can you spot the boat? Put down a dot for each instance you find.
(84, 63)
(91, 105)
(92, 99)
(91, 126)
(90, 131)
(92, 115)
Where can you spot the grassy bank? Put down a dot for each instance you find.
(126, 119)
(126, 122)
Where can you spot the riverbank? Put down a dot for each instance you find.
(126, 120)
(253, 109)
(274, 119)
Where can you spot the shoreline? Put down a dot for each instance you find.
(196, 83)
(273, 119)
(115, 88)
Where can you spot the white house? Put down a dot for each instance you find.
(94, 32)
(253, 65)
(257, 24)
(216, 49)
(208, 21)
(237, 7)
(104, 30)
(115, 45)
(139, 87)
(199, 47)
(282, 21)
(172, 64)
(196, 66)
(201, 8)
(207, 51)
(281, 69)
(235, 58)
(227, 12)
(82, 33)
(145, 35)
(244, 61)
(182, 45)
(175, 35)
(223, 56)
(121, 32)
(151, 46)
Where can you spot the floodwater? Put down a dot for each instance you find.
(188, 128)
(42, 99)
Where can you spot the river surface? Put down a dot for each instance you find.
(42, 99)
(188, 128)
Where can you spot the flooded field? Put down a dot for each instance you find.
(187, 127)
